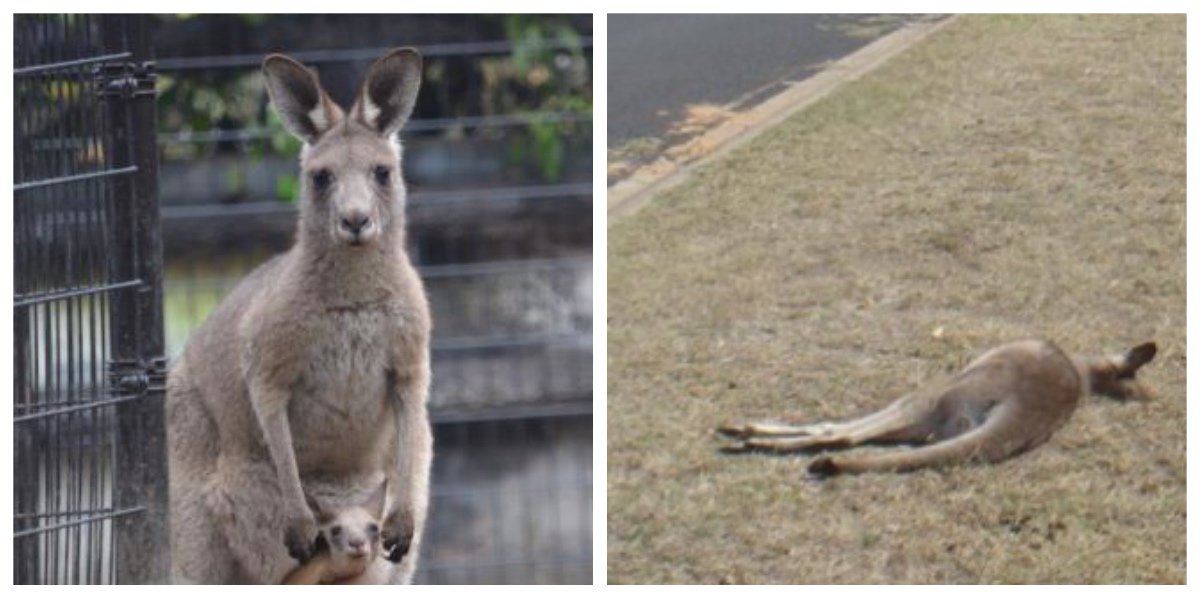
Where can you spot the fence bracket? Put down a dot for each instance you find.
(125, 79)
(134, 377)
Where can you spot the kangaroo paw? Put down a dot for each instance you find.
(397, 534)
(396, 549)
(300, 538)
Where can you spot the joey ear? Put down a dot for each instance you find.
(306, 110)
(376, 502)
(315, 505)
(1138, 357)
(389, 91)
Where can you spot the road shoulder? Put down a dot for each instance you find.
(677, 163)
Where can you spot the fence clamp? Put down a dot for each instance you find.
(134, 377)
(125, 79)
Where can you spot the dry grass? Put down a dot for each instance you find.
(1010, 177)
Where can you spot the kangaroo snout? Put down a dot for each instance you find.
(356, 227)
(355, 223)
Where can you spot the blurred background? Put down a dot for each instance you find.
(498, 165)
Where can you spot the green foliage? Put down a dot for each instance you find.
(560, 78)
(235, 179)
(533, 79)
(548, 148)
(287, 188)
(281, 142)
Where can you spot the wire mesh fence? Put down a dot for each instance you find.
(89, 471)
(500, 226)
(512, 503)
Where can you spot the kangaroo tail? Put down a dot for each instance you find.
(984, 442)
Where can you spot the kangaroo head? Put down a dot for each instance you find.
(1116, 376)
(351, 532)
(352, 193)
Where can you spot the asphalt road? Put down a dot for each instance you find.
(658, 64)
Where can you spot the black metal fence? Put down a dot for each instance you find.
(89, 469)
(500, 218)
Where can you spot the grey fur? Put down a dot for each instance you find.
(315, 369)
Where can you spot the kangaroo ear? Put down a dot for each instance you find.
(1138, 357)
(377, 500)
(389, 91)
(306, 110)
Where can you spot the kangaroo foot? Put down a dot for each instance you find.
(771, 429)
(823, 467)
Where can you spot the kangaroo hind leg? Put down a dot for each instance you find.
(990, 441)
(890, 425)
(770, 428)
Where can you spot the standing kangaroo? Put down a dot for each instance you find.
(316, 367)
(1008, 401)
(349, 547)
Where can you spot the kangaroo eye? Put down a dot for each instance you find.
(321, 179)
(373, 530)
(383, 175)
(336, 531)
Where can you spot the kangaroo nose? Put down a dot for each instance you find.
(355, 223)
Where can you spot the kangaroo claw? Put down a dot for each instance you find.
(823, 467)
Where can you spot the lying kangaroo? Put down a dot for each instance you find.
(315, 368)
(1008, 401)
(349, 544)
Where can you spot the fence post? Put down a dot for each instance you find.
(142, 539)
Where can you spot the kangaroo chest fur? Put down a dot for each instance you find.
(341, 408)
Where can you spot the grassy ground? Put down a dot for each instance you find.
(1009, 177)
